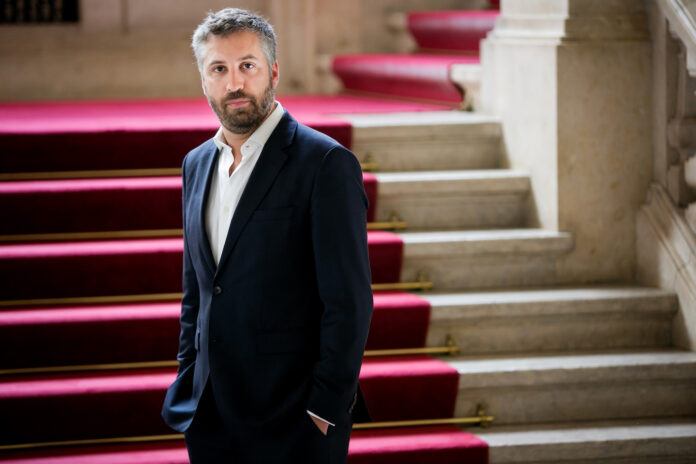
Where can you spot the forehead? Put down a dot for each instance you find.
(233, 46)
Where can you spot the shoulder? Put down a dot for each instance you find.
(315, 147)
(195, 157)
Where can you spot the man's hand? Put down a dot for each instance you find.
(323, 425)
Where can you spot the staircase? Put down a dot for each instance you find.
(574, 374)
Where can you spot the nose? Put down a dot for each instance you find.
(235, 82)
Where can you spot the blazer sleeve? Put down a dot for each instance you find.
(339, 238)
(190, 298)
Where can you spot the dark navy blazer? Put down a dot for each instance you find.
(280, 325)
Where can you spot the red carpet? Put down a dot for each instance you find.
(399, 320)
(76, 136)
(139, 332)
(427, 387)
(127, 403)
(441, 445)
(412, 76)
(89, 205)
(92, 268)
(451, 30)
(370, 183)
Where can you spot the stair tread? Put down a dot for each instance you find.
(634, 440)
(581, 294)
(565, 362)
(448, 175)
(489, 241)
(420, 119)
(595, 431)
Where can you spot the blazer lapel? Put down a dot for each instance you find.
(271, 159)
(208, 167)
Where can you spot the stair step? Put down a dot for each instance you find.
(154, 134)
(552, 319)
(435, 445)
(484, 258)
(420, 76)
(123, 403)
(95, 205)
(576, 387)
(656, 441)
(427, 140)
(453, 30)
(447, 199)
(142, 332)
(454, 199)
(127, 267)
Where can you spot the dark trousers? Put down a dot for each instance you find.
(210, 441)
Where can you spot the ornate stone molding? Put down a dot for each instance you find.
(681, 15)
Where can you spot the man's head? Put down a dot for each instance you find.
(236, 55)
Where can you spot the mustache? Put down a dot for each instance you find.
(236, 96)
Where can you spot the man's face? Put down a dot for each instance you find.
(238, 81)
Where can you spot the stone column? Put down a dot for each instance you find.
(571, 81)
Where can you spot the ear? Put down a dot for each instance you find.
(275, 74)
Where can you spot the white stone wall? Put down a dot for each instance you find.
(571, 81)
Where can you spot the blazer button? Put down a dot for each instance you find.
(217, 290)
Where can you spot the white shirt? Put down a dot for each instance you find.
(226, 189)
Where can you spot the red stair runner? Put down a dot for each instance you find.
(436, 445)
(126, 403)
(138, 332)
(451, 30)
(131, 267)
(77, 136)
(413, 76)
(89, 205)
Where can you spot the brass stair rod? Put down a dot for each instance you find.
(367, 165)
(421, 284)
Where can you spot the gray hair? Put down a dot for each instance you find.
(228, 21)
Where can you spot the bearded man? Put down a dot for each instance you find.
(276, 280)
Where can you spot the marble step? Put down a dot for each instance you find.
(548, 319)
(464, 259)
(663, 441)
(605, 385)
(425, 140)
(459, 199)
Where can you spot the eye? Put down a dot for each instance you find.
(218, 69)
(248, 66)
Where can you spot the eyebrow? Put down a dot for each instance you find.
(245, 57)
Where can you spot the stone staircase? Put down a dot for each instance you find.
(571, 373)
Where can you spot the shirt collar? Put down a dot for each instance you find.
(258, 138)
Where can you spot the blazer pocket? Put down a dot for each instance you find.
(283, 341)
(273, 214)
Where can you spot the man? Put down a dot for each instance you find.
(276, 279)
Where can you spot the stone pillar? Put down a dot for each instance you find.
(571, 81)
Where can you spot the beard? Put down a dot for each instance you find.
(247, 119)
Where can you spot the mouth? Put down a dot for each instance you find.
(237, 103)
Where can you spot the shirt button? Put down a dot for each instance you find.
(217, 290)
